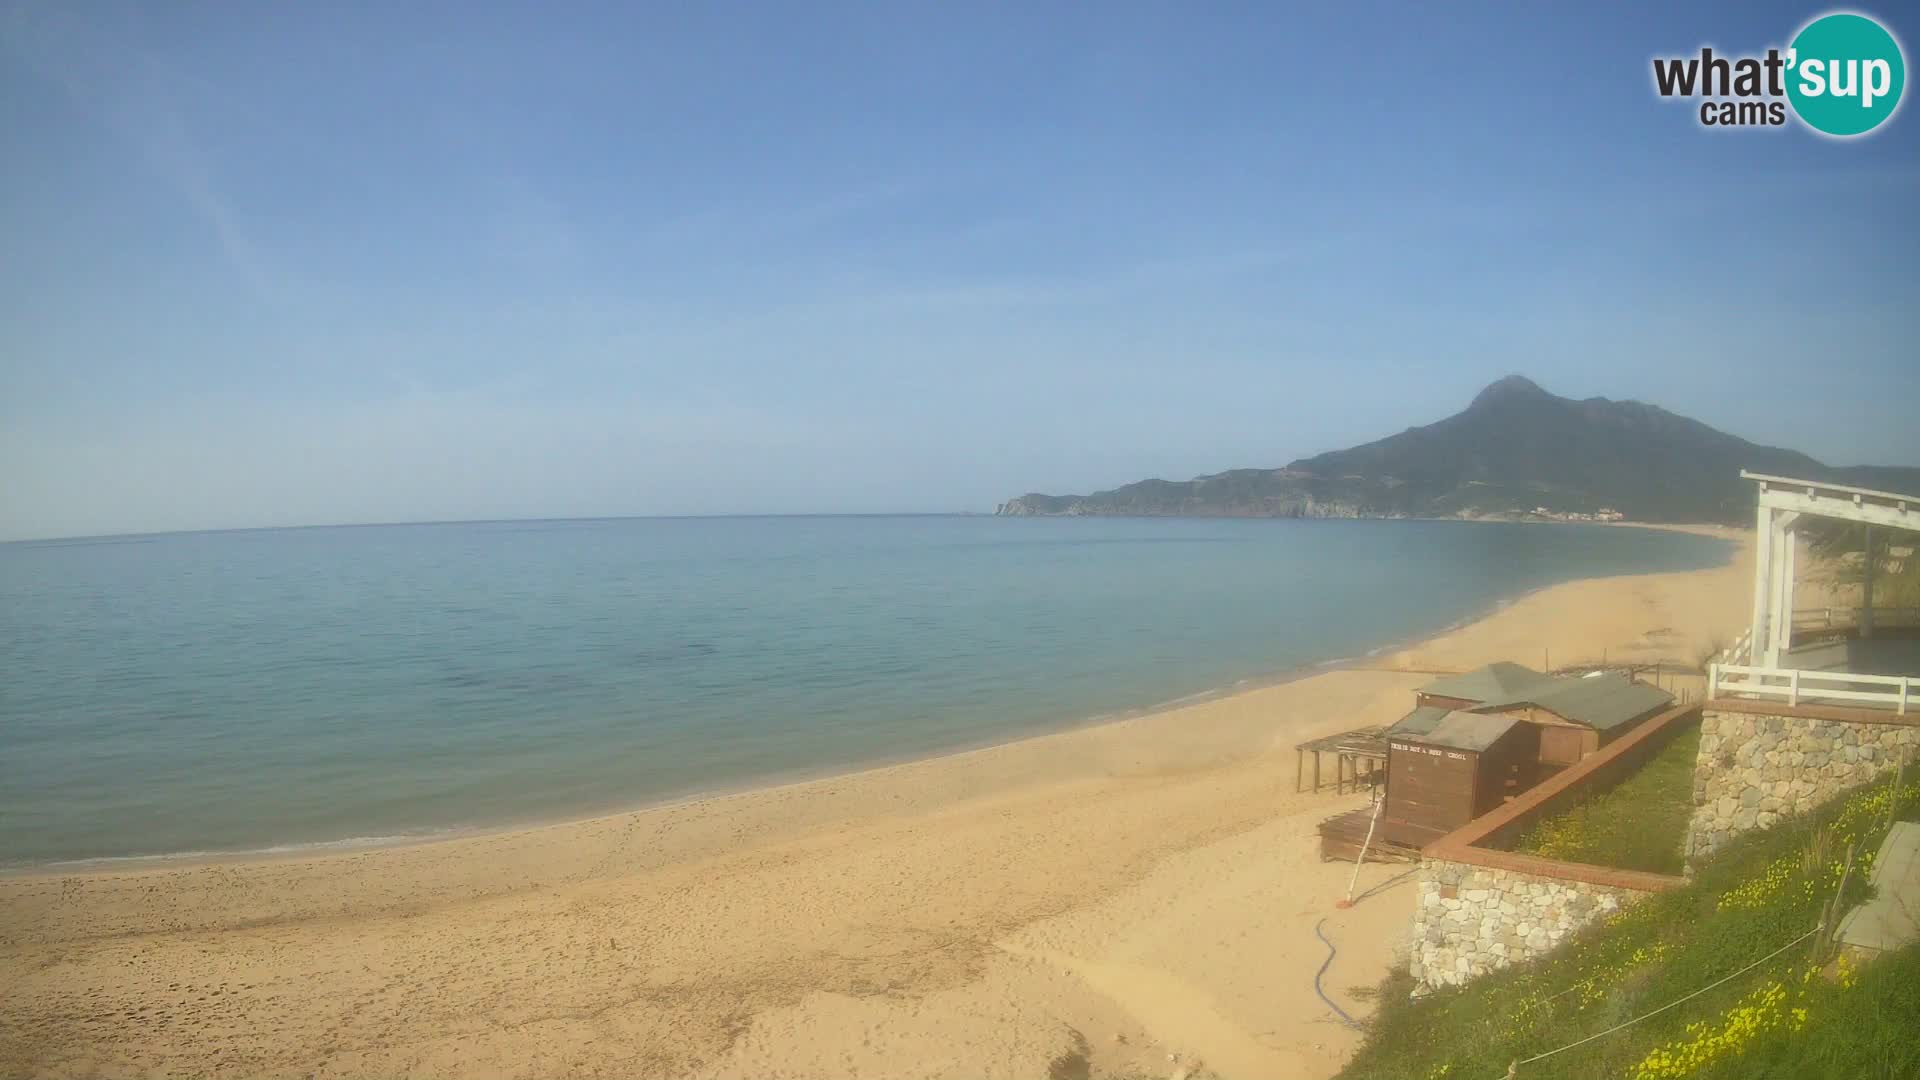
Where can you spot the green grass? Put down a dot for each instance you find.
(1862, 1031)
(1775, 1021)
(1637, 825)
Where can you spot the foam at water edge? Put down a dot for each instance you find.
(349, 843)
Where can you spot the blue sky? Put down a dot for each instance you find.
(291, 264)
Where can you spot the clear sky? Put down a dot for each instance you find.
(307, 263)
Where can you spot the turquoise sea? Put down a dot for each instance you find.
(266, 690)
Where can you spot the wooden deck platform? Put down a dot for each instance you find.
(1342, 835)
(1360, 756)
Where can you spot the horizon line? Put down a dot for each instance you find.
(157, 533)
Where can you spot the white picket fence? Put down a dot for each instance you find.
(1794, 686)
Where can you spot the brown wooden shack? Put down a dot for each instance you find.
(1577, 715)
(1446, 767)
(1476, 739)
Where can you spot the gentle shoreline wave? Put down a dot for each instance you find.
(932, 743)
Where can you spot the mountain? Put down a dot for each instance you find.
(1515, 448)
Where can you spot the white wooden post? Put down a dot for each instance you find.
(1793, 687)
(1789, 543)
(1866, 587)
(1762, 577)
(1793, 580)
(1776, 561)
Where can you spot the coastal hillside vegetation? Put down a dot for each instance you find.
(1844, 548)
(1639, 824)
(1785, 1009)
(1515, 449)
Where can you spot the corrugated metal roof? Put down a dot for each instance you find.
(1502, 681)
(1601, 702)
(1465, 730)
(1418, 722)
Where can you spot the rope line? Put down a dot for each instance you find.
(1379, 885)
(1658, 1011)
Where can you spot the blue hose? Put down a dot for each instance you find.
(1324, 965)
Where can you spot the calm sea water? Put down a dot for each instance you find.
(259, 690)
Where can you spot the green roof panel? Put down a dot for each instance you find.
(1418, 722)
(1465, 730)
(1601, 701)
(1598, 701)
(1501, 681)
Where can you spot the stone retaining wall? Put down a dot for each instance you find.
(1474, 919)
(1481, 908)
(1761, 761)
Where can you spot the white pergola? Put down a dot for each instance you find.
(1784, 501)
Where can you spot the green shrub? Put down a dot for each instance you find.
(1764, 890)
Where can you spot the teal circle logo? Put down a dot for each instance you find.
(1844, 74)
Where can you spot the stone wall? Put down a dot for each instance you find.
(1762, 761)
(1474, 919)
(1481, 908)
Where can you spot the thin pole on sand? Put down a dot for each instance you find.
(1364, 845)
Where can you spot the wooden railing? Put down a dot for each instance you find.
(1814, 620)
(1741, 650)
(1795, 687)
(1481, 842)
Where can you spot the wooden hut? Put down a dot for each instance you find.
(1446, 767)
(1577, 715)
(1475, 740)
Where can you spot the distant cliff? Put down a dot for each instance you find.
(1515, 449)
(1209, 496)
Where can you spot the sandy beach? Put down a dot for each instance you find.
(1141, 894)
